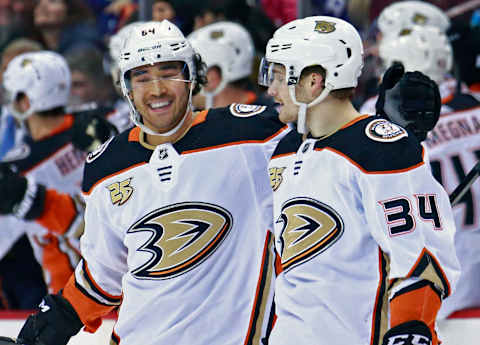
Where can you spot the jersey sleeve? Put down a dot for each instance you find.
(95, 288)
(409, 214)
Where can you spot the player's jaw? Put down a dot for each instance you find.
(161, 113)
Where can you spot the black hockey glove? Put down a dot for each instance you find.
(411, 100)
(91, 129)
(54, 324)
(408, 333)
(19, 195)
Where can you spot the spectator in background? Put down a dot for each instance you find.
(89, 81)
(228, 51)
(64, 25)
(16, 20)
(280, 11)
(252, 18)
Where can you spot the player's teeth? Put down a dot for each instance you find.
(159, 105)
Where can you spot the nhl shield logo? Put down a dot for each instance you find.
(324, 27)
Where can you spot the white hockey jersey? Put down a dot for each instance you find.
(453, 150)
(356, 213)
(180, 234)
(55, 163)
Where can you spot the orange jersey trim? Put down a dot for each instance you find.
(355, 120)
(261, 283)
(59, 212)
(200, 117)
(89, 311)
(251, 97)
(379, 301)
(236, 143)
(92, 281)
(283, 155)
(56, 263)
(421, 304)
(134, 134)
(67, 123)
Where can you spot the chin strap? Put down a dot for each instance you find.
(302, 111)
(209, 96)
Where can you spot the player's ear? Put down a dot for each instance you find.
(22, 103)
(313, 85)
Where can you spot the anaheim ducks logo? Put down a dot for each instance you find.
(276, 177)
(183, 236)
(216, 34)
(26, 62)
(309, 228)
(324, 27)
(419, 19)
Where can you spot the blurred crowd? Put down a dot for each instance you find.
(88, 34)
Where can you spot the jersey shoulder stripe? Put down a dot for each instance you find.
(225, 126)
(116, 155)
(387, 149)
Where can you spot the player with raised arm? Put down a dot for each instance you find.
(178, 213)
(364, 232)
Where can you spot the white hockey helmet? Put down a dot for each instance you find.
(419, 48)
(330, 42)
(44, 77)
(115, 46)
(147, 44)
(404, 14)
(226, 45)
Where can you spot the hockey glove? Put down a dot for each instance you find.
(411, 100)
(19, 195)
(91, 129)
(54, 324)
(408, 333)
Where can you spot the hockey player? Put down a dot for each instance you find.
(364, 232)
(228, 51)
(178, 213)
(451, 147)
(38, 176)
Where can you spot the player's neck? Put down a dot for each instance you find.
(230, 95)
(329, 116)
(40, 127)
(155, 140)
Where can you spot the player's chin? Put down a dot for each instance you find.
(286, 116)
